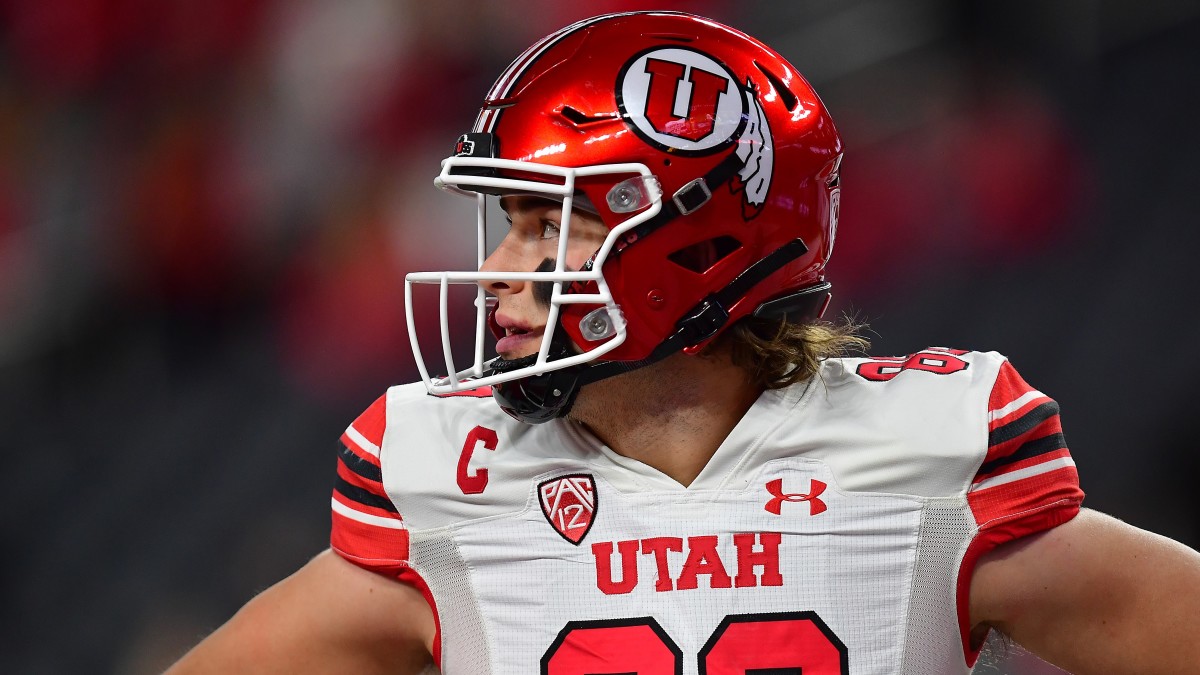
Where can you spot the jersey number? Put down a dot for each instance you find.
(786, 642)
(933, 360)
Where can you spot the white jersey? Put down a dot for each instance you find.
(834, 530)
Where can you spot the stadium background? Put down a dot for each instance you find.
(207, 208)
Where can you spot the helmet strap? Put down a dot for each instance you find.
(541, 398)
(686, 200)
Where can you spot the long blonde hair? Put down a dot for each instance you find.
(776, 354)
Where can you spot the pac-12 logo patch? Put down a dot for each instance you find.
(569, 503)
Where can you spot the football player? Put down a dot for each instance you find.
(671, 466)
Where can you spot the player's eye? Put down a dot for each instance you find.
(550, 229)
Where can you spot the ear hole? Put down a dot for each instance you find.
(701, 257)
(785, 95)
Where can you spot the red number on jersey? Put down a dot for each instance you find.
(786, 642)
(612, 647)
(744, 643)
(933, 360)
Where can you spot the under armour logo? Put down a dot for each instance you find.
(775, 505)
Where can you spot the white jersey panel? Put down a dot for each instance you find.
(841, 565)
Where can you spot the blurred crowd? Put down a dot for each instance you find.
(207, 210)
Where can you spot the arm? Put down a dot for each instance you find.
(1094, 595)
(329, 617)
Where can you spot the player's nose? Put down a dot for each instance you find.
(506, 258)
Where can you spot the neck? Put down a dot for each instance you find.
(671, 415)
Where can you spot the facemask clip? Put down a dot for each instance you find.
(601, 324)
(633, 194)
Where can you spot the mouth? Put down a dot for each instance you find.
(514, 339)
(518, 343)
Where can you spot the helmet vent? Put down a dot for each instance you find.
(789, 99)
(702, 256)
(579, 118)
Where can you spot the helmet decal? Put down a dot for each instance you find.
(755, 148)
(835, 204)
(681, 100)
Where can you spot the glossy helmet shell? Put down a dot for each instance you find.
(615, 89)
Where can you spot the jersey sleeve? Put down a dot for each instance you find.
(1027, 482)
(367, 529)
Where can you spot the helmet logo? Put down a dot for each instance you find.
(665, 80)
(681, 100)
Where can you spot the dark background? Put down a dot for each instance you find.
(207, 209)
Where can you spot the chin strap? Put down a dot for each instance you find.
(538, 398)
(541, 398)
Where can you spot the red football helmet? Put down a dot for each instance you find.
(713, 164)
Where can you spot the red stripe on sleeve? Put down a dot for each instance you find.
(1023, 464)
(361, 532)
(366, 509)
(1009, 386)
(1016, 412)
(379, 549)
(373, 421)
(1027, 495)
(358, 450)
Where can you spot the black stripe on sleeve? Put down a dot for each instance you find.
(1023, 423)
(359, 465)
(1038, 446)
(357, 494)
